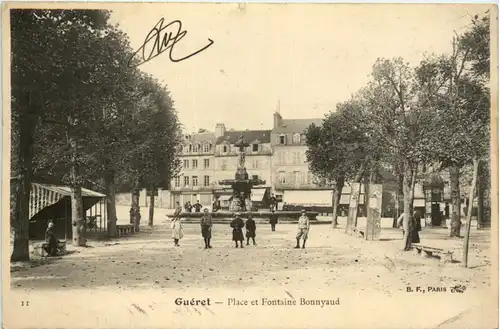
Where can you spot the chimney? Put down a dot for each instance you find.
(220, 130)
(277, 119)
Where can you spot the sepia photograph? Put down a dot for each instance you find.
(250, 165)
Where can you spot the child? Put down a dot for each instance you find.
(250, 225)
(177, 232)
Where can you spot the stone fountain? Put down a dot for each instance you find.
(241, 202)
(241, 184)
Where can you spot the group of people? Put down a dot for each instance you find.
(237, 224)
(189, 207)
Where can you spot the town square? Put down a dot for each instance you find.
(182, 172)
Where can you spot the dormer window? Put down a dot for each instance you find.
(282, 139)
(296, 138)
(255, 147)
(196, 148)
(224, 148)
(190, 148)
(206, 147)
(186, 149)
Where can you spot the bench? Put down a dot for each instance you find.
(40, 249)
(125, 229)
(426, 251)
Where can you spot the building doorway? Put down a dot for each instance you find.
(435, 214)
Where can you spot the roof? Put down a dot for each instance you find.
(202, 137)
(264, 136)
(296, 125)
(66, 190)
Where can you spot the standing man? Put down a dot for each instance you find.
(272, 201)
(273, 220)
(197, 206)
(206, 228)
(303, 229)
(237, 224)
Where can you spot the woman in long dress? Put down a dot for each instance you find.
(177, 232)
(237, 224)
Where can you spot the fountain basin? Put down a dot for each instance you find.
(258, 216)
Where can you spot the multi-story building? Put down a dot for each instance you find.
(196, 179)
(293, 182)
(258, 161)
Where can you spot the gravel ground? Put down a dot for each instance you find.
(137, 278)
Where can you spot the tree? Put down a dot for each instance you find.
(396, 116)
(40, 41)
(339, 150)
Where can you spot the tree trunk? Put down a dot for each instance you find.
(469, 214)
(77, 219)
(399, 202)
(111, 206)
(408, 184)
(352, 218)
(151, 207)
(480, 196)
(24, 122)
(135, 209)
(336, 195)
(455, 222)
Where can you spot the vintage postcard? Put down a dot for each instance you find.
(231, 165)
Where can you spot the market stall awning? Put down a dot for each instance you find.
(258, 195)
(44, 195)
(225, 197)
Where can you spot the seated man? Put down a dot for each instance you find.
(51, 240)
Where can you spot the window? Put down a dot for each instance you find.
(206, 147)
(206, 181)
(296, 177)
(224, 149)
(255, 164)
(206, 163)
(309, 177)
(196, 148)
(177, 182)
(223, 164)
(282, 139)
(186, 181)
(296, 158)
(282, 177)
(296, 138)
(186, 163)
(190, 148)
(195, 164)
(186, 149)
(195, 180)
(255, 147)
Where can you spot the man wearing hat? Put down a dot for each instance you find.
(303, 229)
(237, 224)
(206, 228)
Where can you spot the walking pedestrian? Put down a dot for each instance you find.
(302, 229)
(177, 232)
(251, 228)
(273, 220)
(206, 228)
(237, 224)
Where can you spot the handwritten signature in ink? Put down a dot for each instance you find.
(160, 39)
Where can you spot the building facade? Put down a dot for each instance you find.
(196, 179)
(258, 161)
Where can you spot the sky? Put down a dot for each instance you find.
(304, 57)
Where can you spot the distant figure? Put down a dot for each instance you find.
(272, 202)
(302, 229)
(51, 239)
(188, 206)
(206, 228)
(242, 202)
(215, 205)
(178, 210)
(399, 223)
(177, 233)
(197, 206)
(251, 228)
(237, 224)
(417, 227)
(273, 220)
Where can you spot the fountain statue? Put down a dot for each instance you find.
(241, 184)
